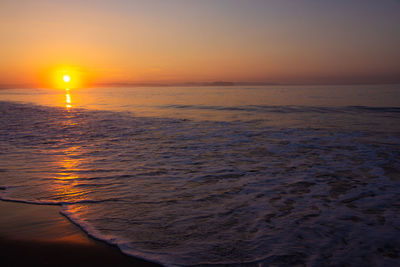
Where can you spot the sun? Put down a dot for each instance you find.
(66, 78)
(63, 76)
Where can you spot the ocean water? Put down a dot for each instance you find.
(263, 176)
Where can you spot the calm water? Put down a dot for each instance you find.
(191, 176)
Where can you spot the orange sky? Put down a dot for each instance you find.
(199, 41)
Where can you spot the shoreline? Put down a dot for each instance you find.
(36, 234)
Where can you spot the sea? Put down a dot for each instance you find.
(214, 175)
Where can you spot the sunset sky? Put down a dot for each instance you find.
(165, 41)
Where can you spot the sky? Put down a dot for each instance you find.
(178, 41)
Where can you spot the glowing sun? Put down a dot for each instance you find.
(66, 78)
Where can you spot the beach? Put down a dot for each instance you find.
(39, 235)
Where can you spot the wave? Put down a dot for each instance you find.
(54, 202)
(288, 109)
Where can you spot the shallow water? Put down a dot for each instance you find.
(191, 176)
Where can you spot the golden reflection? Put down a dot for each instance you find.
(67, 98)
(68, 163)
(65, 181)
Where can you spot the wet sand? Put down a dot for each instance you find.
(40, 235)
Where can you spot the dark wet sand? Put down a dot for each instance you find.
(40, 235)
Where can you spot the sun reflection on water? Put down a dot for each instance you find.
(68, 163)
(67, 99)
(67, 178)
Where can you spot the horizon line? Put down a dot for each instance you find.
(203, 84)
